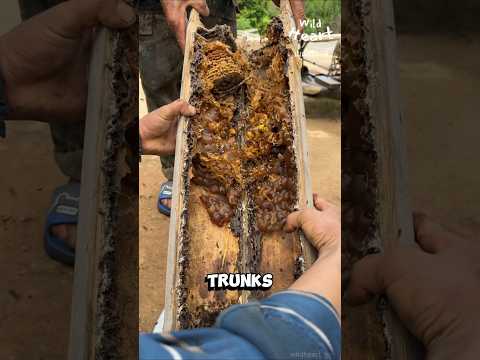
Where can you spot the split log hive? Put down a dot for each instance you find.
(104, 321)
(376, 212)
(241, 168)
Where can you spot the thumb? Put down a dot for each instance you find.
(199, 5)
(181, 31)
(181, 24)
(298, 10)
(432, 237)
(179, 107)
(320, 204)
(299, 219)
(376, 274)
(366, 279)
(116, 14)
(81, 14)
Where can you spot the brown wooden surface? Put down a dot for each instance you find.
(212, 249)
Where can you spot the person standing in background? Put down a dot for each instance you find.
(162, 26)
(67, 137)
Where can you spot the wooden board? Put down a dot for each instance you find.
(215, 249)
(394, 210)
(85, 278)
(172, 276)
(104, 321)
(376, 211)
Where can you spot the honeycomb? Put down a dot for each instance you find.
(242, 135)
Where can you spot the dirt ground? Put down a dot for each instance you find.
(439, 78)
(35, 292)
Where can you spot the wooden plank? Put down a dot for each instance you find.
(172, 276)
(105, 295)
(394, 209)
(298, 115)
(83, 318)
(217, 249)
(376, 212)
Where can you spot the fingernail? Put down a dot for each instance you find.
(127, 13)
(192, 110)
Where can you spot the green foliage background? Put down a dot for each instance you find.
(257, 13)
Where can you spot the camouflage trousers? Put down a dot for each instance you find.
(161, 63)
(161, 59)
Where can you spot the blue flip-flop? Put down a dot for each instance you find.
(165, 193)
(64, 210)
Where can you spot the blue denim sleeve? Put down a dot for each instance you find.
(197, 344)
(287, 325)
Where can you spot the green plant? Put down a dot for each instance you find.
(328, 11)
(257, 14)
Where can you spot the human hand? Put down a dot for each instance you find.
(176, 15)
(322, 228)
(434, 288)
(44, 60)
(321, 225)
(158, 129)
(298, 11)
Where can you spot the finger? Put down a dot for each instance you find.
(186, 109)
(292, 222)
(171, 111)
(169, 143)
(117, 15)
(298, 10)
(126, 15)
(366, 280)
(111, 13)
(201, 6)
(181, 31)
(320, 204)
(300, 219)
(430, 236)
